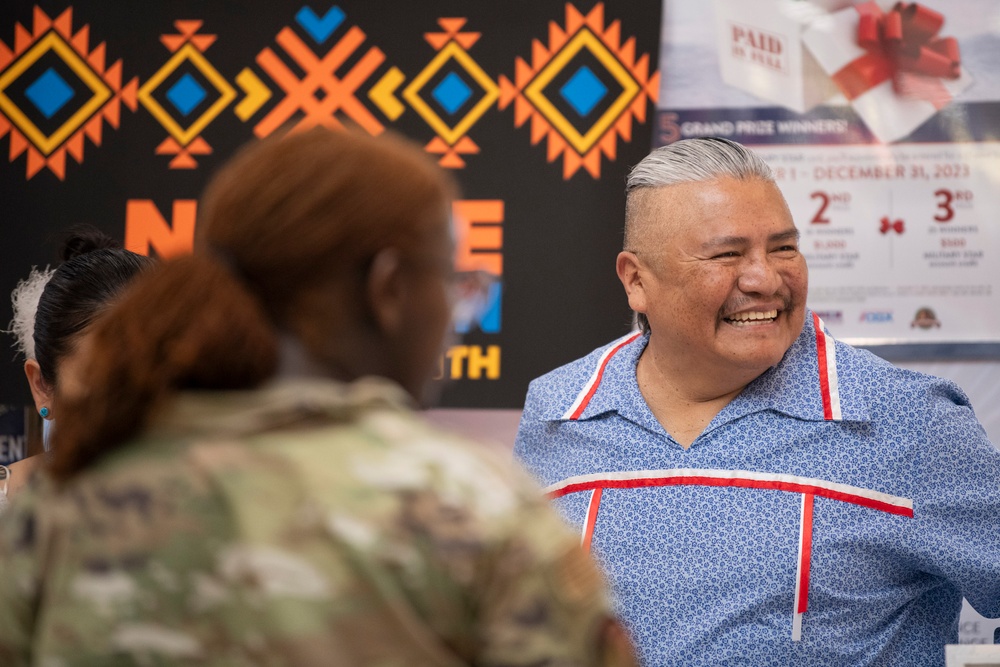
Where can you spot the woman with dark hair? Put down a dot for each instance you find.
(52, 309)
(243, 479)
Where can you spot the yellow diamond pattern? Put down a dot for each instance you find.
(53, 42)
(492, 92)
(584, 39)
(226, 94)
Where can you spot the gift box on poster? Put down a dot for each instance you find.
(892, 66)
(759, 45)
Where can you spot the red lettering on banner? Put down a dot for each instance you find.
(146, 230)
(757, 39)
(757, 46)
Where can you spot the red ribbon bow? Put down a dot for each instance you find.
(906, 36)
(893, 225)
(899, 44)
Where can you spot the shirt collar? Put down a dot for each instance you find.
(792, 387)
(618, 390)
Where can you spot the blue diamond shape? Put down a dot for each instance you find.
(452, 93)
(319, 28)
(583, 91)
(49, 93)
(186, 94)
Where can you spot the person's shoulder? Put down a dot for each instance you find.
(885, 381)
(447, 458)
(20, 514)
(930, 414)
(21, 473)
(559, 387)
(380, 463)
(154, 485)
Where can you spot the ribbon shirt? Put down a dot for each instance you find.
(834, 513)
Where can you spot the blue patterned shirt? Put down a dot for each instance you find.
(834, 513)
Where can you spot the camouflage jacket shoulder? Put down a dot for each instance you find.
(309, 522)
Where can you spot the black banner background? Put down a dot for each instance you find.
(560, 235)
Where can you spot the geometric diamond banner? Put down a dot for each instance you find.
(536, 109)
(186, 94)
(452, 92)
(582, 91)
(55, 90)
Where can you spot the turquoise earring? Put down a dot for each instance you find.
(44, 412)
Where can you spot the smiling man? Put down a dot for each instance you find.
(759, 493)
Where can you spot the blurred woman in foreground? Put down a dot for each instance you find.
(243, 479)
(53, 309)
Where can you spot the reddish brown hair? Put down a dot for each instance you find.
(285, 235)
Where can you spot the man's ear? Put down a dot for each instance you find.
(385, 290)
(40, 390)
(628, 268)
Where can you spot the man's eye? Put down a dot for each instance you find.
(726, 255)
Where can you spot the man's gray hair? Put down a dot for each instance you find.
(687, 161)
(693, 160)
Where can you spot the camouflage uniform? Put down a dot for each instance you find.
(309, 523)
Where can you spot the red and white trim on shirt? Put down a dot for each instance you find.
(634, 479)
(826, 355)
(588, 525)
(829, 388)
(583, 398)
(809, 488)
(802, 566)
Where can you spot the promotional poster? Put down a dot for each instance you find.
(881, 122)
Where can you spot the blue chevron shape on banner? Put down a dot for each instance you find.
(320, 28)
